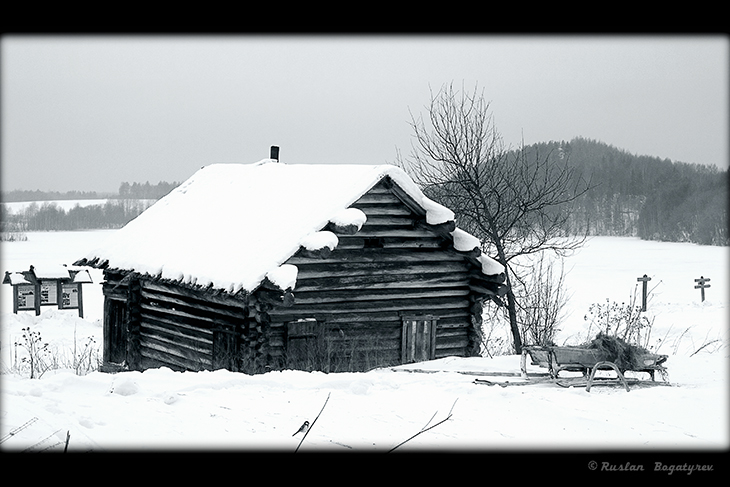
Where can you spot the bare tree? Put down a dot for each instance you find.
(541, 308)
(515, 203)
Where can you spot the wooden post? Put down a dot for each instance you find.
(15, 299)
(81, 301)
(134, 349)
(37, 302)
(643, 281)
(701, 285)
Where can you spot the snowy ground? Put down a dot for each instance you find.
(377, 410)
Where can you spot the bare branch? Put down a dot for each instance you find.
(312, 425)
(427, 427)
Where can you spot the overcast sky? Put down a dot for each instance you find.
(87, 113)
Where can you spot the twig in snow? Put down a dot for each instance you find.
(427, 427)
(703, 346)
(31, 448)
(312, 425)
(18, 429)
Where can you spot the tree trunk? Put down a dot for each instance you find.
(512, 311)
(511, 301)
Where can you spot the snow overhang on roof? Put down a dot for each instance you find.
(230, 226)
(15, 278)
(51, 272)
(81, 276)
(46, 273)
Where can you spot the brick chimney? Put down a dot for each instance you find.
(274, 153)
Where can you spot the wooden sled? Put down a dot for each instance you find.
(588, 361)
(585, 360)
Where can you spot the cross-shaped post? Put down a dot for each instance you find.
(643, 280)
(701, 285)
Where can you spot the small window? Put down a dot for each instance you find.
(419, 338)
(373, 243)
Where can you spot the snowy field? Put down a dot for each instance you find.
(376, 411)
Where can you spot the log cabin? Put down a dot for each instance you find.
(271, 266)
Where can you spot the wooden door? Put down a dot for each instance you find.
(115, 331)
(419, 338)
(224, 349)
(304, 350)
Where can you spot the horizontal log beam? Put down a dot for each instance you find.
(279, 317)
(200, 295)
(382, 255)
(365, 345)
(410, 243)
(195, 341)
(161, 356)
(452, 343)
(423, 306)
(304, 298)
(450, 333)
(454, 322)
(384, 210)
(198, 329)
(172, 349)
(377, 198)
(376, 268)
(194, 307)
(374, 231)
(389, 220)
(156, 311)
(361, 331)
(393, 243)
(390, 281)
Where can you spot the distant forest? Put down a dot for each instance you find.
(43, 214)
(137, 191)
(643, 196)
(631, 195)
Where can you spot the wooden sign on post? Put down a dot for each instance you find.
(701, 285)
(643, 280)
(60, 287)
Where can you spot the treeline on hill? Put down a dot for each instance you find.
(644, 196)
(115, 212)
(38, 195)
(138, 191)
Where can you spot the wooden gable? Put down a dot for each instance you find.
(395, 268)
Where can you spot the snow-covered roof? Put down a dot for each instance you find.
(230, 226)
(82, 276)
(59, 272)
(50, 271)
(16, 278)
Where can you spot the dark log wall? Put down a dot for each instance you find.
(395, 267)
(151, 324)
